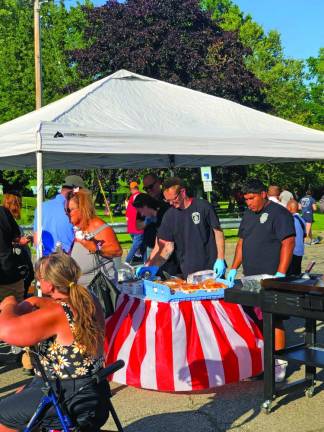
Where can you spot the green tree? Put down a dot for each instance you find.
(16, 58)
(61, 31)
(291, 91)
(316, 90)
(172, 41)
(285, 89)
(16, 179)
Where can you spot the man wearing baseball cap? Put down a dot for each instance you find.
(55, 222)
(73, 182)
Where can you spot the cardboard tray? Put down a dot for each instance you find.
(162, 293)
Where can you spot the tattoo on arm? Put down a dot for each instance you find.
(161, 252)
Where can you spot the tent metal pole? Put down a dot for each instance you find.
(171, 164)
(40, 186)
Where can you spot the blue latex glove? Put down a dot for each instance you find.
(231, 277)
(219, 267)
(279, 275)
(147, 271)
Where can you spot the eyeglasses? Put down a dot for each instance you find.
(173, 199)
(149, 187)
(68, 210)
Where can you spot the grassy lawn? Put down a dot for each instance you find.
(29, 204)
(318, 224)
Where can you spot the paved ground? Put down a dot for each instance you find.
(232, 407)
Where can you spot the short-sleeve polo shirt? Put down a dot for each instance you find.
(191, 230)
(262, 234)
(56, 225)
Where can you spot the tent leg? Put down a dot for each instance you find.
(39, 163)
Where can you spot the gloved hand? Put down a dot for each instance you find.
(146, 271)
(279, 275)
(219, 267)
(231, 277)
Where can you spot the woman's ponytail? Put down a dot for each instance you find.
(87, 331)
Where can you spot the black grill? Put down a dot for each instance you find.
(290, 297)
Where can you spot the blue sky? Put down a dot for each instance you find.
(300, 22)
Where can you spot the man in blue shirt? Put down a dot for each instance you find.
(55, 222)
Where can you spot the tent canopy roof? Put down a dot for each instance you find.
(128, 120)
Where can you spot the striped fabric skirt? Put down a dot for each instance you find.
(182, 346)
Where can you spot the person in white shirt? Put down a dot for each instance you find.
(285, 197)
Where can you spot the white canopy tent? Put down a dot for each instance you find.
(130, 121)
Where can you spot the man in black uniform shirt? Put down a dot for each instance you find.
(266, 235)
(192, 226)
(266, 240)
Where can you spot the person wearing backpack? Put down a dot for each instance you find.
(300, 227)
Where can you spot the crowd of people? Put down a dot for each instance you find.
(174, 232)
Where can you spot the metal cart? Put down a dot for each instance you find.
(293, 297)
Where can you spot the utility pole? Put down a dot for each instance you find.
(37, 44)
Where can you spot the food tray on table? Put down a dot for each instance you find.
(131, 287)
(154, 290)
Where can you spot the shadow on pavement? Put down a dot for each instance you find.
(217, 416)
(231, 407)
(179, 422)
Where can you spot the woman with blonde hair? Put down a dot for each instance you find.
(67, 327)
(95, 243)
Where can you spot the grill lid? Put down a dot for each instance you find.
(306, 284)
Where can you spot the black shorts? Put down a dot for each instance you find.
(308, 217)
(89, 409)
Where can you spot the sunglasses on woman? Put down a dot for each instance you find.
(68, 210)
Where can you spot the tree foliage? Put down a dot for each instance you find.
(171, 40)
(286, 90)
(291, 91)
(62, 30)
(316, 86)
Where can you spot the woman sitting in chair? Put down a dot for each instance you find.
(67, 327)
(95, 243)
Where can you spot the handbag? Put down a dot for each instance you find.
(20, 260)
(105, 291)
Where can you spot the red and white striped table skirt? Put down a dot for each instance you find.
(183, 346)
